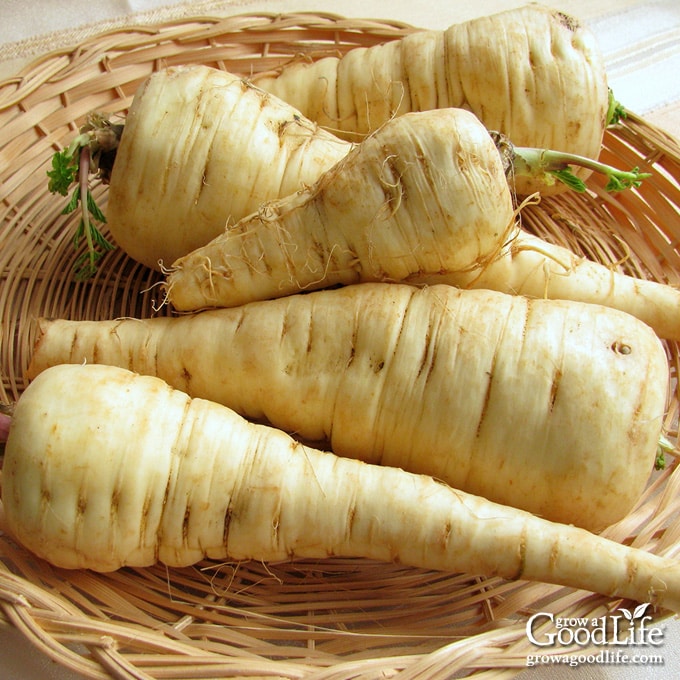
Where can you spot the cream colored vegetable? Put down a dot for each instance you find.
(424, 198)
(533, 73)
(201, 148)
(529, 265)
(425, 194)
(105, 468)
(551, 406)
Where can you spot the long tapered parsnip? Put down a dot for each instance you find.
(533, 73)
(423, 199)
(200, 148)
(106, 468)
(528, 265)
(551, 406)
(427, 193)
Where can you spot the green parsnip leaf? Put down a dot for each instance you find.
(98, 139)
(63, 174)
(72, 205)
(622, 181)
(94, 209)
(567, 177)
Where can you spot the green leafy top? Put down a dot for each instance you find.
(91, 152)
(63, 173)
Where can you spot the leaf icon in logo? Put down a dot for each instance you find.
(637, 613)
(640, 610)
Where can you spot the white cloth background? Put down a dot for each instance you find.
(641, 44)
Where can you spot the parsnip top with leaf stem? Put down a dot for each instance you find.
(550, 166)
(93, 152)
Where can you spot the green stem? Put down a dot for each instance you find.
(83, 181)
(92, 151)
(550, 166)
(557, 164)
(615, 112)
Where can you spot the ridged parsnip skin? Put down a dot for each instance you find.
(532, 73)
(424, 194)
(137, 472)
(202, 147)
(528, 265)
(553, 407)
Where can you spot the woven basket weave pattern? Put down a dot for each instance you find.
(333, 619)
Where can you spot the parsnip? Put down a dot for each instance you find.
(533, 73)
(427, 193)
(423, 197)
(528, 265)
(199, 148)
(105, 468)
(551, 406)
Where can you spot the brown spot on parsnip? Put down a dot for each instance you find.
(424, 360)
(351, 516)
(620, 347)
(285, 327)
(96, 353)
(554, 387)
(185, 524)
(115, 503)
(144, 519)
(567, 21)
(487, 396)
(276, 523)
(228, 516)
(521, 555)
(554, 555)
(240, 321)
(310, 335)
(186, 376)
(445, 535)
(81, 506)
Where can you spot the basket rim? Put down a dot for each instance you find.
(31, 52)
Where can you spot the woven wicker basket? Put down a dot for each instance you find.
(333, 619)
